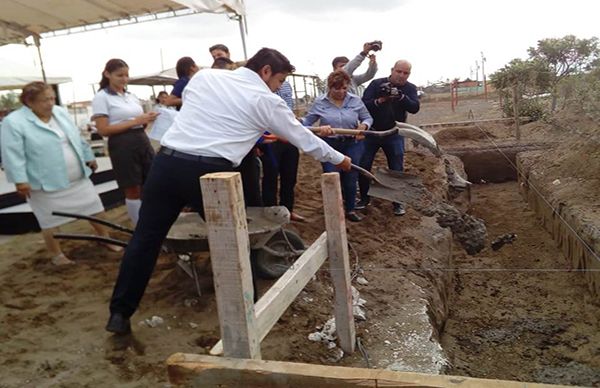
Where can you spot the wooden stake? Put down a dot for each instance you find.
(339, 263)
(230, 258)
(516, 111)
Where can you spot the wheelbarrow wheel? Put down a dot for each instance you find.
(269, 266)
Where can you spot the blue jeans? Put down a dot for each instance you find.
(172, 184)
(353, 149)
(393, 148)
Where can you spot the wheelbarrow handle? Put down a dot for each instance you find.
(354, 132)
(95, 220)
(89, 237)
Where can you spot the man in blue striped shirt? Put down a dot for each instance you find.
(280, 159)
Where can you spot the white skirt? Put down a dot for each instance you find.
(79, 198)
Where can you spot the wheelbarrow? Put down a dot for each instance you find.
(273, 248)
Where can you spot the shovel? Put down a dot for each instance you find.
(403, 129)
(396, 186)
(354, 132)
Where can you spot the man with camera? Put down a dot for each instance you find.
(388, 100)
(350, 66)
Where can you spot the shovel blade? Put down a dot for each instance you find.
(397, 186)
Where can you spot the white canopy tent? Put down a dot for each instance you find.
(20, 19)
(165, 77)
(11, 83)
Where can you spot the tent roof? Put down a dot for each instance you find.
(22, 18)
(10, 83)
(165, 77)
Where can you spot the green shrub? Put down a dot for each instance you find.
(536, 108)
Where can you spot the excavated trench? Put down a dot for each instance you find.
(527, 310)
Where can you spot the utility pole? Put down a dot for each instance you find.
(477, 71)
(483, 73)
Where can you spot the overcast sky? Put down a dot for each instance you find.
(442, 38)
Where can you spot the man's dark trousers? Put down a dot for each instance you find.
(279, 159)
(172, 183)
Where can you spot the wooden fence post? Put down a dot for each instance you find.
(230, 259)
(339, 263)
(516, 111)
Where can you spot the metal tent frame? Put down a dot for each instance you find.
(21, 19)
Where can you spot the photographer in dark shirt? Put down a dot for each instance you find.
(388, 100)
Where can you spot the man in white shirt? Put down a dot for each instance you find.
(224, 114)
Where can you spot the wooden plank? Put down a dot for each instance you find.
(205, 371)
(274, 302)
(339, 262)
(230, 259)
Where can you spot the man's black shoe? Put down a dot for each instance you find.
(352, 216)
(118, 324)
(399, 209)
(362, 204)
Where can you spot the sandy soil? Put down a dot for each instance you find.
(52, 319)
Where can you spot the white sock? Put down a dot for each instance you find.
(133, 209)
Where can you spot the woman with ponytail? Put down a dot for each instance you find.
(119, 116)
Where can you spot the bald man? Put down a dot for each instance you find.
(388, 99)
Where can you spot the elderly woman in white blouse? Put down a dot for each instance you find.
(49, 163)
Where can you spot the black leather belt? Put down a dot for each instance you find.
(196, 158)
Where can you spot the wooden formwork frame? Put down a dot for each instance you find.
(245, 324)
(192, 370)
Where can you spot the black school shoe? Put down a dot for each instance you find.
(118, 324)
(352, 216)
(399, 209)
(362, 204)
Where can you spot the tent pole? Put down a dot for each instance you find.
(243, 34)
(36, 40)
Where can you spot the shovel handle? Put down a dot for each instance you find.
(340, 131)
(354, 132)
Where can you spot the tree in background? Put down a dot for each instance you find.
(564, 57)
(9, 102)
(518, 78)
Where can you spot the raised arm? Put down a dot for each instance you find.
(369, 74)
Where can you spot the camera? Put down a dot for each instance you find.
(376, 45)
(387, 89)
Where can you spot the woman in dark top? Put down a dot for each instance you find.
(186, 68)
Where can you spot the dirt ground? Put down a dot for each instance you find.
(52, 319)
